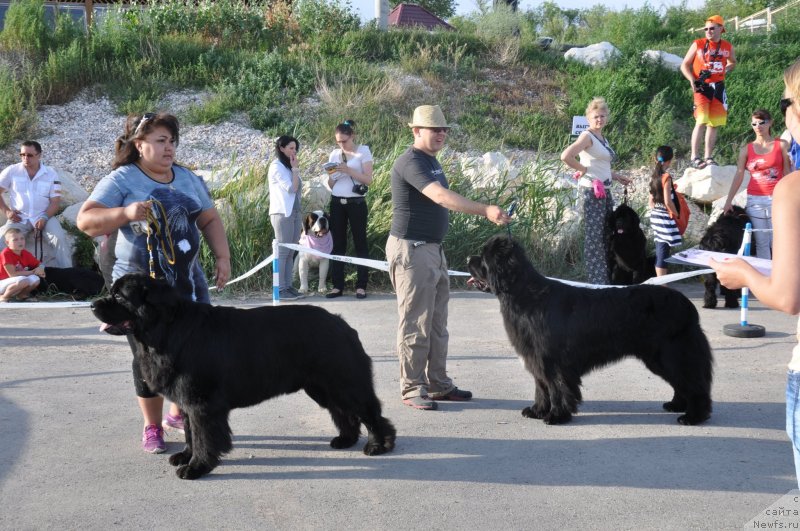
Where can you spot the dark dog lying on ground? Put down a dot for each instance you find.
(563, 332)
(725, 236)
(628, 263)
(212, 359)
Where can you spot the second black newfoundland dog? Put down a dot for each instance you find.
(725, 236)
(628, 262)
(563, 332)
(212, 359)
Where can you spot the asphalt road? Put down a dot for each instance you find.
(70, 430)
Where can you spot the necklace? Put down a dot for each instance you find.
(165, 179)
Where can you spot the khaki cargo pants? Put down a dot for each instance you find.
(419, 277)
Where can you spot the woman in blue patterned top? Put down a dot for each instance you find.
(159, 209)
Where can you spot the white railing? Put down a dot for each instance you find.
(757, 21)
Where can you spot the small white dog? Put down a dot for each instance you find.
(316, 235)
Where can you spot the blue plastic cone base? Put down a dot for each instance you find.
(740, 330)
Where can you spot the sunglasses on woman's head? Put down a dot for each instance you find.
(784, 104)
(146, 117)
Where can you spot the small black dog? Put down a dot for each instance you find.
(627, 261)
(563, 332)
(212, 359)
(725, 236)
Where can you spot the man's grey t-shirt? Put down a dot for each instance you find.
(414, 216)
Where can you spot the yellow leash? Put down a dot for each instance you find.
(154, 229)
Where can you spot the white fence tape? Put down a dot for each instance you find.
(375, 264)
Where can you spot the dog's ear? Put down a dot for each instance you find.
(159, 294)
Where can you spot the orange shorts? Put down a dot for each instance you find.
(711, 111)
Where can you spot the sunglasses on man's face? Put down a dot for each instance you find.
(438, 130)
(710, 28)
(784, 105)
(28, 155)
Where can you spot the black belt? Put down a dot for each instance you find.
(349, 200)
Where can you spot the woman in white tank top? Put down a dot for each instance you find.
(593, 169)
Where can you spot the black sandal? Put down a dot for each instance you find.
(698, 164)
(332, 294)
(711, 162)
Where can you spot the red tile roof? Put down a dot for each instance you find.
(415, 15)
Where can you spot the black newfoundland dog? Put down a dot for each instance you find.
(628, 262)
(563, 332)
(212, 359)
(725, 236)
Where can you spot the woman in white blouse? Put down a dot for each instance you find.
(348, 182)
(285, 189)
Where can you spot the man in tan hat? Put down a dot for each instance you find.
(421, 202)
(705, 66)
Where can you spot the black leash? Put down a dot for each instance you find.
(510, 213)
(38, 246)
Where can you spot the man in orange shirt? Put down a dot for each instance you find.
(706, 63)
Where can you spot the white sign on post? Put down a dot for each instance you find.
(579, 125)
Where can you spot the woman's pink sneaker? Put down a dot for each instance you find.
(173, 423)
(153, 440)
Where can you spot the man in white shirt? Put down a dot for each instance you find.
(34, 196)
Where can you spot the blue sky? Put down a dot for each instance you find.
(366, 8)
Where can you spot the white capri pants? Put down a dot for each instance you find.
(10, 281)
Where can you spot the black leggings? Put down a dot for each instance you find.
(356, 215)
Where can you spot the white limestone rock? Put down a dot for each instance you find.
(593, 55)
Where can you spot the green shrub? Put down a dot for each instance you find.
(24, 27)
(228, 23)
(322, 23)
(499, 23)
(15, 115)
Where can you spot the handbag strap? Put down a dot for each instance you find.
(605, 144)
(344, 159)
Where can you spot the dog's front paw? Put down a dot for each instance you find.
(532, 413)
(192, 471)
(181, 458)
(344, 442)
(675, 406)
(375, 448)
(553, 418)
(688, 420)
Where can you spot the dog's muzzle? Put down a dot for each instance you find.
(119, 329)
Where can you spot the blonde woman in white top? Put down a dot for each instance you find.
(349, 205)
(593, 169)
(285, 189)
(781, 289)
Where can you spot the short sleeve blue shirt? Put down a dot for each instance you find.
(174, 237)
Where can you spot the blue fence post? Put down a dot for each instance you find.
(276, 275)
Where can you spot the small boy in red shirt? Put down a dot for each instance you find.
(19, 269)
